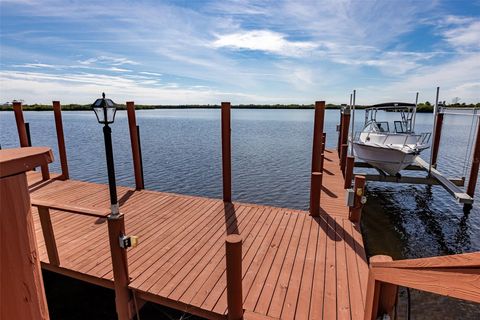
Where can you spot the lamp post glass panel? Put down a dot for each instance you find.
(105, 110)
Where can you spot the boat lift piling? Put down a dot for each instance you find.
(435, 111)
(472, 181)
(437, 135)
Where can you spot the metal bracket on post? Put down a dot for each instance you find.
(128, 241)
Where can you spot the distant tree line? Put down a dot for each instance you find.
(421, 107)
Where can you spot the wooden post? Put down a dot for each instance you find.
(137, 165)
(233, 246)
(45, 172)
(317, 154)
(226, 153)
(316, 190)
(140, 152)
(29, 137)
(318, 135)
(359, 189)
(345, 127)
(340, 124)
(343, 156)
(22, 294)
(381, 297)
(472, 181)
(48, 235)
(116, 229)
(437, 135)
(57, 112)
(22, 131)
(23, 137)
(350, 163)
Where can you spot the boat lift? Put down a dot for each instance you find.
(433, 176)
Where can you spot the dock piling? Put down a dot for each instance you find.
(345, 128)
(233, 246)
(339, 129)
(57, 112)
(140, 152)
(29, 137)
(349, 165)
(226, 153)
(22, 131)
(359, 189)
(134, 140)
(317, 178)
(343, 156)
(116, 229)
(472, 181)
(437, 135)
(317, 155)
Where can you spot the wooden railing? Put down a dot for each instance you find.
(116, 229)
(456, 276)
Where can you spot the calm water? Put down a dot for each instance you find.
(271, 162)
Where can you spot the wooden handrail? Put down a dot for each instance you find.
(94, 212)
(461, 283)
(464, 260)
(116, 229)
(456, 276)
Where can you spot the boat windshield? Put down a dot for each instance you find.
(377, 127)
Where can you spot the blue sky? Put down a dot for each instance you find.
(195, 52)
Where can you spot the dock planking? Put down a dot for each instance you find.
(294, 266)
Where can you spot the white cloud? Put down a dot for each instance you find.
(457, 78)
(264, 40)
(465, 36)
(36, 66)
(151, 73)
(106, 60)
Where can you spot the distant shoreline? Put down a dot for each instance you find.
(422, 107)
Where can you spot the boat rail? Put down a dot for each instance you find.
(421, 139)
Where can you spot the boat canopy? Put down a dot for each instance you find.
(405, 125)
(393, 105)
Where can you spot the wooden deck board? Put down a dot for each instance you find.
(294, 266)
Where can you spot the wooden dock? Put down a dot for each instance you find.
(294, 265)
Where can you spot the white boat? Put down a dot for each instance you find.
(390, 149)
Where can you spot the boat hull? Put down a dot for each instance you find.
(389, 160)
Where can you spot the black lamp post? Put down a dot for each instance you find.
(105, 110)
